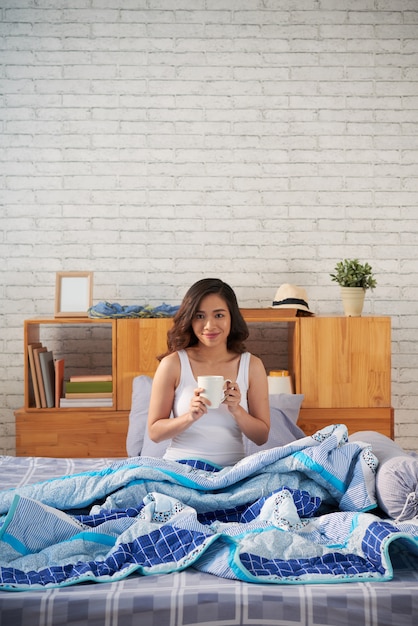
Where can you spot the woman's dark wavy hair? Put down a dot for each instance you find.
(181, 335)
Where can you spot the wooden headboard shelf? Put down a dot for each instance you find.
(342, 366)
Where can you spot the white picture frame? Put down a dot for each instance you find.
(73, 294)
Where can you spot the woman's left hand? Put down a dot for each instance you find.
(232, 396)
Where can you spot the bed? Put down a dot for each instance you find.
(203, 590)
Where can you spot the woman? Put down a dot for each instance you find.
(207, 339)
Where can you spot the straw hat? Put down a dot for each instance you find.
(291, 297)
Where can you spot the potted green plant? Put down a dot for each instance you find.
(354, 279)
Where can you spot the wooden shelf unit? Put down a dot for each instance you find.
(342, 366)
(32, 333)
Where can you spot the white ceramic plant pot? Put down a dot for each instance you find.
(353, 300)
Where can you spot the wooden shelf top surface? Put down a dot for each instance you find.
(69, 320)
(249, 314)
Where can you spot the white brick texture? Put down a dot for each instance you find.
(156, 142)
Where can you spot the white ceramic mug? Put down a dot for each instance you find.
(214, 389)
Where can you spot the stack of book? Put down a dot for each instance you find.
(45, 376)
(91, 390)
(47, 388)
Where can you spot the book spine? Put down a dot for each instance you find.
(59, 380)
(33, 374)
(46, 360)
(39, 376)
(87, 394)
(91, 378)
(92, 402)
(92, 387)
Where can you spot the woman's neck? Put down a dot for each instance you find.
(219, 354)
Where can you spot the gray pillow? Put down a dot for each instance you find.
(138, 416)
(138, 442)
(396, 476)
(284, 413)
(150, 448)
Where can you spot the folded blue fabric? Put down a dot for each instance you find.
(114, 309)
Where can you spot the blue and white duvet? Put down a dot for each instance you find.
(301, 513)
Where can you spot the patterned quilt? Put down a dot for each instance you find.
(302, 513)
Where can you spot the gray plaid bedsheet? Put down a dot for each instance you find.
(191, 598)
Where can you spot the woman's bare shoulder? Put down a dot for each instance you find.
(257, 366)
(170, 363)
(255, 361)
(170, 358)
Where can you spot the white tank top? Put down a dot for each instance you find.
(214, 437)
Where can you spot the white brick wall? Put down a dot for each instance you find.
(257, 140)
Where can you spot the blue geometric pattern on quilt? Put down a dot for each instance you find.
(199, 464)
(301, 513)
(337, 565)
(306, 507)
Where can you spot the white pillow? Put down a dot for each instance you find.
(284, 413)
(150, 448)
(138, 416)
(396, 476)
(138, 442)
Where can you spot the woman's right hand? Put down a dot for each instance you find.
(198, 405)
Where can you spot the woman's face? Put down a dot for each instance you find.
(212, 321)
